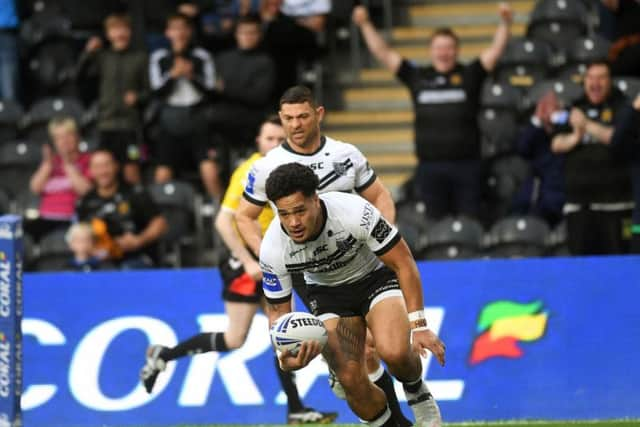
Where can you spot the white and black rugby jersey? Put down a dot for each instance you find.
(339, 166)
(352, 237)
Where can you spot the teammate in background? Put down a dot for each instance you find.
(339, 167)
(360, 274)
(446, 99)
(242, 292)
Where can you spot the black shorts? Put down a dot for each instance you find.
(124, 144)
(353, 299)
(238, 286)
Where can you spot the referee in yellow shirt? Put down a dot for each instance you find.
(242, 293)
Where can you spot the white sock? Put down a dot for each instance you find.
(378, 422)
(375, 376)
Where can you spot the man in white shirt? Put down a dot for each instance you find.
(360, 274)
(339, 167)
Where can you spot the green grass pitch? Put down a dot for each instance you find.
(609, 423)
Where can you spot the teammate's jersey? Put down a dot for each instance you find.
(338, 165)
(352, 237)
(236, 186)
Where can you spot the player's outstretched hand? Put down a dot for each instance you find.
(307, 351)
(360, 15)
(424, 339)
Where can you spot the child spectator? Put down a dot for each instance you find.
(123, 89)
(62, 177)
(81, 241)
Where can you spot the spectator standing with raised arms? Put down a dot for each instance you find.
(446, 98)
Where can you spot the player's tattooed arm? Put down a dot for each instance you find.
(275, 310)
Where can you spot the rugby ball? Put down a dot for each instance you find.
(291, 329)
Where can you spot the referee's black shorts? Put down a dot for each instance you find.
(238, 286)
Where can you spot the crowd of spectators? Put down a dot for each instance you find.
(579, 173)
(179, 89)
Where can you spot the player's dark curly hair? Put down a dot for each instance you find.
(290, 178)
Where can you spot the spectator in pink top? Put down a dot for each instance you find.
(62, 177)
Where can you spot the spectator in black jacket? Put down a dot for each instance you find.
(626, 137)
(288, 43)
(542, 194)
(245, 84)
(124, 89)
(597, 178)
(125, 221)
(446, 98)
(182, 80)
(624, 54)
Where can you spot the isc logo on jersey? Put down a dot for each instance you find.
(271, 282)
(290, 330)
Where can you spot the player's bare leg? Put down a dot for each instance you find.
(240, 318)
(345, 354)
(210, 175)
(380, 377)
(297, 413)
(389, 324)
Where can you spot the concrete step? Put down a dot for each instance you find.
(367, 119)
(394, 180)
(397, 163)
(376, 137)
(385, 98)
(422, 34)
(466, 13)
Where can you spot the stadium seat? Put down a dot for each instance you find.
(10, 114)
(37, 118)
(176, 200)
(26, 204)
(557, 241)
(497, 119)
(53, 252)
(18, 161)
(518, 236)
(630, 86)
(413, 224)
(524, 62)
(5, 202)
(454, 238)
(51, 54)
(505, 176)
(558, 22)
(30, 250)
(583, 51)
(567, 92)
(42, 25)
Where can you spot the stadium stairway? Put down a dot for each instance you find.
(377, 114)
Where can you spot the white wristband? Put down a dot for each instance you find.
(416, 315)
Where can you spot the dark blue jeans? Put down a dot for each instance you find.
(451, 187)
(8, 66)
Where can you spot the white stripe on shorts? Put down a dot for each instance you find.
(384, 295)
